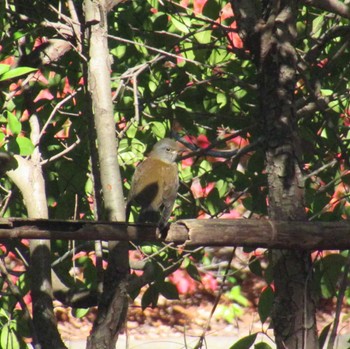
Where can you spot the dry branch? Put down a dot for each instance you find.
(192, 232)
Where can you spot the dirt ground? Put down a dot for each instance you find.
(189, 317)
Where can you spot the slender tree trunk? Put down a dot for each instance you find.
(113, 303)
(29, 179)
(270, 36)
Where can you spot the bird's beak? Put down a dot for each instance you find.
(178, 153)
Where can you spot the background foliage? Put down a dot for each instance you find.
(179, 69)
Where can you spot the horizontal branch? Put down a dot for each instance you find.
(334, 6)
(192, 232)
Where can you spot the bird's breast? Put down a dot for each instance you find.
(155, 182)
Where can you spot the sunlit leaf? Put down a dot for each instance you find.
(26, 146)
(16, 72)
(13, 124)
(203, 37)
(4, 68)
(79, 312)
(181, 23)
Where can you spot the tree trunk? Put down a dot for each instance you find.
(113, 303)
(294, 311)
(270, 36)
(29, 179)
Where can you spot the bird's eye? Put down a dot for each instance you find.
(168, 149)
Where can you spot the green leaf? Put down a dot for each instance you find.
(168, 290)
(4, 68)
(218, 56)
(131, 132)
(159, 129)
(23, 283)
(2, 139)
(269, 273)
(26, 146)
(203, 37)
(205, 167)
(222, 187)
(323, 335)
(4, 315)
(181, 23)
(22, 328)
(18, 34)
(13, 124)
(317, 24)
(245, 342)
(8, 339)
(150, 297)
(12, 146)
(212, 9)
(119, 51)
(326, 92)
(229, 312)
(14, 73)
(255, 266)
(80, 312)
(193, 272)
(235, 294)
(153, 3)
(188, 50)
(331, 266)
(221, 99)
(90, 274)
(265, 303)
(214, 202)
(160, 21)
(262, 345)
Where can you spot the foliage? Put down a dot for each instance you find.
(179, 69)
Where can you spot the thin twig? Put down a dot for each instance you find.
(75, 23)
(71, 252)
(321, 169)
(165, 53)
(5, 201)
(340, 298)
(226, 154)
(218, 297)
(132, 74)
(57, 106)
(62, 153)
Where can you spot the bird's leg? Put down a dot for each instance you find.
(163, 224)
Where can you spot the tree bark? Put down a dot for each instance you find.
(270, 36)
(29, 179)
(294, 310)
(113, 304)
(299, 235)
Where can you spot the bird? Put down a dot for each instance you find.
(155, 184)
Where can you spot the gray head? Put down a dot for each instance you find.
(166, 150)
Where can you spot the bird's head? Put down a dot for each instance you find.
(165, 150)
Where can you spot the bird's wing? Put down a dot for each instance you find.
(145, 187)
(170, 187)
(170, 184)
